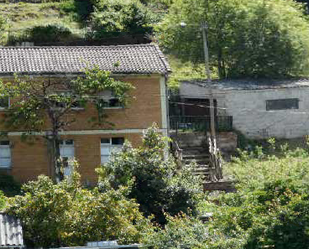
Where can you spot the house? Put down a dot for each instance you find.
(144, 66)
(11, 233)
(258, 108)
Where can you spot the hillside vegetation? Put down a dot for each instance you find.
(66, 21)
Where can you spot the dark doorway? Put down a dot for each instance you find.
(197, 107)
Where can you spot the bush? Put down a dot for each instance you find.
(181, 231)
(79, 9)
(271, 207)
(112, 17)
(65, 214)
(2, 200)
(43, 34)
(154, 179)
(8, 185)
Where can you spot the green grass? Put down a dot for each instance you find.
(186, 71)
(21, 16)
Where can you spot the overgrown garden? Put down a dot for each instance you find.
(143, 197)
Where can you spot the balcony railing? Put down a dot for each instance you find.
(200, 123)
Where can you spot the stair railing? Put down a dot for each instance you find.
(177, 152)
(215, 162)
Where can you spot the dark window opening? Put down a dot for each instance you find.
(113, 102)
(4, 142)
(282, 104)
(105, 141)
(4, 102)
(117, 140)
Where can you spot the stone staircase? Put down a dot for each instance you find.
(200, 156)
(194, 148)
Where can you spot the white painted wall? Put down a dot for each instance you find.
(248, 108)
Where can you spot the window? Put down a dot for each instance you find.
(282, 104)
(67, 155)
(109, 145)
(4, 102)
(58, 103)
(108, 100)
(5, 155)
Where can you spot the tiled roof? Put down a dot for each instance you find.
(11, 234)
(136, 59)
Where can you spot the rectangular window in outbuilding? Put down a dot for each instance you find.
(282, 104)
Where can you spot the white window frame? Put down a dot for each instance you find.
(67, 144)
(72, 108)
(9, 157)
(108, 95)
(110, 147)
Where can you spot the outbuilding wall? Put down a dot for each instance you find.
(248, 108)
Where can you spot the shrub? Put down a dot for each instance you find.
(9, 185)
(79, 9)
(43, 34)
(271, 207)
(112, 17)
(2, 200)
(154, 179)
(65, 214)
(181, 231)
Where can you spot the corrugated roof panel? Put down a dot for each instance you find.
(10, 231)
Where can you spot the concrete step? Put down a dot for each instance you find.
(195, 156)
(198, 162)
(197, 150)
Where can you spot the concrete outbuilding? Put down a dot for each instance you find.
(259, 108)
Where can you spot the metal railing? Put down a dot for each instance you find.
(200, 123)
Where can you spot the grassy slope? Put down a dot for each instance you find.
(21, 16)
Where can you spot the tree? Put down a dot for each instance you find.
(66, 214)
(2, 200)
(154, 179)
(2, 27)
(247, 38)
(114, 17)
(44, 105)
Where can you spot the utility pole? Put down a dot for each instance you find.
(207, 70)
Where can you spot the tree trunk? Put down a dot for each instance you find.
(57, 171)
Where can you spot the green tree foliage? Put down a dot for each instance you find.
(113, 17)
(181, 231)
(43, 34)
(2, 200)
(269, 210)
(271, 207)
(2, 28)
(43, 105)
(247, 38)
(66, 214)
(155, 181)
